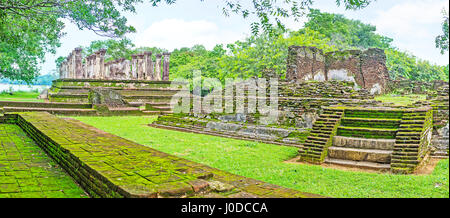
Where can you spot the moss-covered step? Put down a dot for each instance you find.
(364, 132)
(44, 105)
(363, 143)
(370, 122)
(374, 113)
(358, 164)
(59, 111)
(316, 146)
(356, 154)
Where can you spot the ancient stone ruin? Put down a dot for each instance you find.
(117, 87)
(365, 68)
(140, 67)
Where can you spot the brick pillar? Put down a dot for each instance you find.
(88, 67)
(374, 70)
(127, 68)
(141, 69)
(78, 59)
(166, 66)
(148, 65)
(158, 67)
(93, 66)
(114, 69)
(73, 65)
(120, 68)
(69, 66)
(61, 71)
(85, 68)
(101, 63)
(134, 66)
(108, 74)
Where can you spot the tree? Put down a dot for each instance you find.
(345, 33)
(31, 28)
(442, 40)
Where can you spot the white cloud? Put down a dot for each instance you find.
(414, 25)
(407, 18)
(177, 33)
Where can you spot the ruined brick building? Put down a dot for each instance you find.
(366, 68)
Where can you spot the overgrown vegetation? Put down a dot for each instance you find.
(266, 162)
(31, 28)
(266, 53)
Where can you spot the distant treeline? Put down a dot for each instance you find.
(267, 54)
(40, 80)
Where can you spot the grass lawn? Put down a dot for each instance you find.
(21, 96)
(265, 162)
(400, 100)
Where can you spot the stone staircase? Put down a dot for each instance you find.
(365, 138)
(375, 138)
(158, 108)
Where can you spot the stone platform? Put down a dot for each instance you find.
(106, 165)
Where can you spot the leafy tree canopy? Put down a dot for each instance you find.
(267, 53)
(345, 33)
(31, 28)
(442, 40)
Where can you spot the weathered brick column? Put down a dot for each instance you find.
(158, 68)
(90, 67)
(374, 70)
(101, 63)
(126, 68)
(62, 70)
(95, 66)
(134, 66)
(78, 60)
(108, 73)
(141, 69)
(148, 65)
(69, 66)
(166, 66)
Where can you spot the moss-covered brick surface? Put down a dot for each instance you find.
(106, 165)
(27, 172)
(315, 149)
(412, 140)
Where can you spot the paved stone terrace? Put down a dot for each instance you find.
(26, 171)
(106, 165)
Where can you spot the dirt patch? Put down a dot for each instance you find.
(424, 169)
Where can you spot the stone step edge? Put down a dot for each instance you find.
(221, 134)
(49, 109)
(358, 164)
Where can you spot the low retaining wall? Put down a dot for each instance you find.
(106, 165)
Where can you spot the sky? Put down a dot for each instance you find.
(413, 24)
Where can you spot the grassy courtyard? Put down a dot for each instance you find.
(266, 162)
(20, 96)
(400, 100)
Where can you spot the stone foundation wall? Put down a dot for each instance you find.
(366, 68)
(108, 166)
(406, 87)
